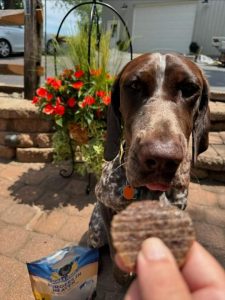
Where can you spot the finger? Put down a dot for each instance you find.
(133, 292)
(158, 275)
(202, 270)
(121, 265)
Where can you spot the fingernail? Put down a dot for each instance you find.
(154, 249)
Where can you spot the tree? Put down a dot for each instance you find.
(83, 11)
(11, 4)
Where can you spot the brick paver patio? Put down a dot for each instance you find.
(41, 212)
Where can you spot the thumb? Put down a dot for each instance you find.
(158, 275)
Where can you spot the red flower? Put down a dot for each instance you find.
(42, 92)
(100, 94)
(35, 99)
(49, 96)
(96, 72)
(49, 80)
(78, 85)
(106, 100)
(56, 84)
(53, 82)
(88, 101)
(59, 110)
(79, 73)
(58, 101)
(48, 109)
(71, 102)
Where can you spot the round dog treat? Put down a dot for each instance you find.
(144, 219)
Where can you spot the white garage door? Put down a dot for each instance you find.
(163, 26)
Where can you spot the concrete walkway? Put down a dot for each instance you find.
(41, 212)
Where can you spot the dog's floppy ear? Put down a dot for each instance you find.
(200, 138)
(113, 137)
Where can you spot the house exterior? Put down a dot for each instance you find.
(167, 25)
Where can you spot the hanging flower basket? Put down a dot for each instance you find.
(77, 101)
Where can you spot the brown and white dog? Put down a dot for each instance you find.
(158, 102)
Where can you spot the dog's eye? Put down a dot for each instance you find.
(188, 89)
(135, 85)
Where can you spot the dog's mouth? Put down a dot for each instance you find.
(157, 186)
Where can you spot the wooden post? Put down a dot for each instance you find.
(33, 48)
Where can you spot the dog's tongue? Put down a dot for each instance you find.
(158, 187)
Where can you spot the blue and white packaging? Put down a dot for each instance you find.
(68, 274)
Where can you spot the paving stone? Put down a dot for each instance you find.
(4, 204)
(215, 138)
(220, 150)
(221, 201)
(13, 171)
(20, 289)
(196, 212)
(50, 223)
(209, 234)
(222, 135)
(18, 214)
(79, 209)
(218, 253)
(5, 192)
(34, 154)
(76, 187)
(12, 239)
(215, 216)
(34, 177)
(7, 152)
(202, 198)
(10, 271)
(52, 199)
(213, 187)
(74, 229)
(27, 194)
(210, 160)
(38, 246)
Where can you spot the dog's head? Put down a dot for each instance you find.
(158, 101)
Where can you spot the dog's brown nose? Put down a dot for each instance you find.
(160, 156)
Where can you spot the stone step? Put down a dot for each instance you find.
(217, 94)
(34, 155)
(26, 140)
(211, 163)
(217, 116)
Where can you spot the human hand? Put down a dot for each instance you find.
(158, 277)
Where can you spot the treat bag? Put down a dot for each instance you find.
(68, 274)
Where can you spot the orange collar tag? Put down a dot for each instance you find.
(128, 192)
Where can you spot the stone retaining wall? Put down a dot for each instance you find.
(24, 136)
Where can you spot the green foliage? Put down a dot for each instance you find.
(83, 11)
(61, 145)
(88, 157)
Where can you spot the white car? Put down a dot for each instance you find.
(12, 41)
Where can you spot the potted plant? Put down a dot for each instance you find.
(77, 101)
